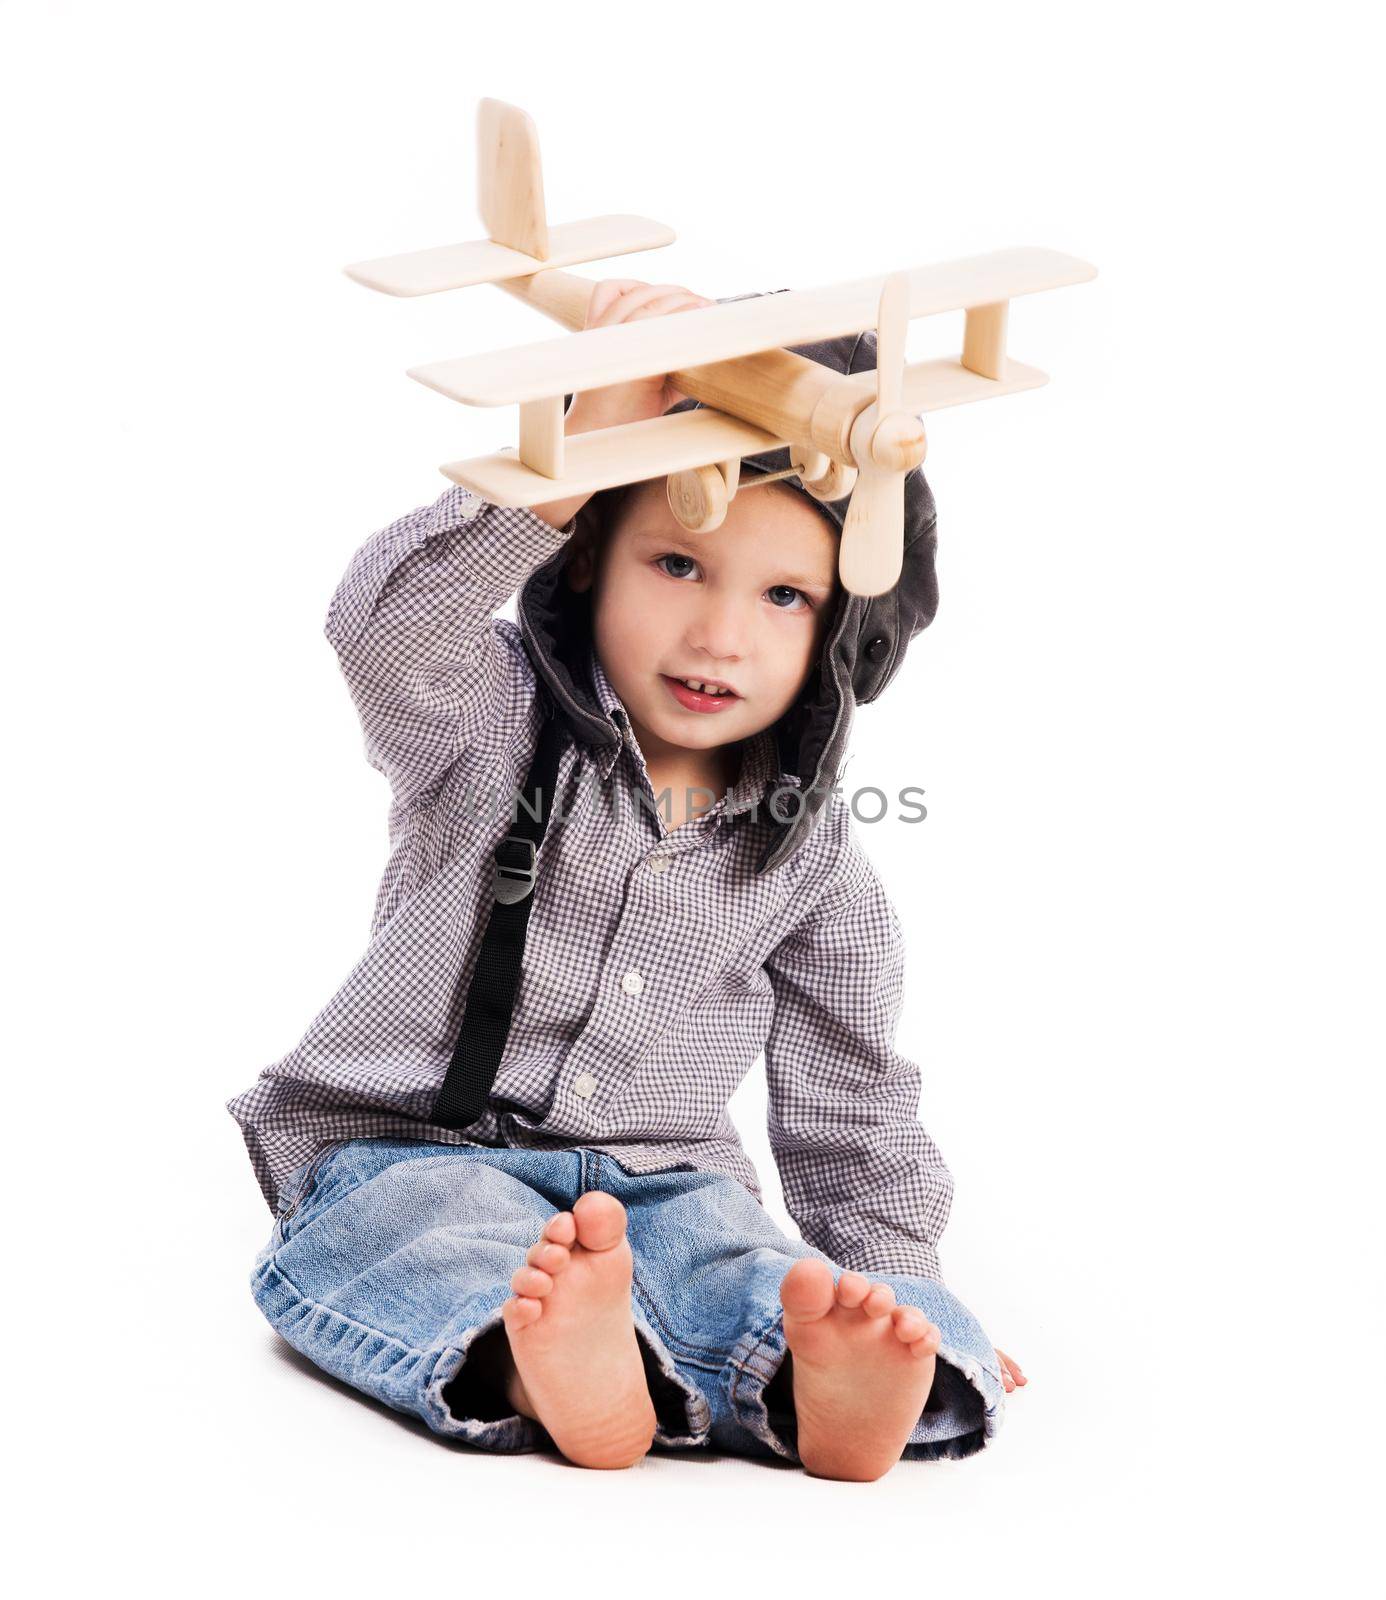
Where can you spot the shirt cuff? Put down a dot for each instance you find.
(908, 1258)
(500, 545)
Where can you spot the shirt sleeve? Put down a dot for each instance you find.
(861, 1177)
(412, 622)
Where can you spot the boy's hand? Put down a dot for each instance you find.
(1011, 1375)
(616, 300)
(621, 300)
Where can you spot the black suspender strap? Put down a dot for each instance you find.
(491, 997)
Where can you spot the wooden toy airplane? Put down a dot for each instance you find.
(856, 434)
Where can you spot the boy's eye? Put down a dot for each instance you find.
(775, 589)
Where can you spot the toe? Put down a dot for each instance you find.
(561, 1229)
(552, 1258)
(879, 1301)
(600, 1219)
(910, 1323)
(520, 1313)
(531, 1281)
(913, 1328)
(852, 1289)
(806, 1290)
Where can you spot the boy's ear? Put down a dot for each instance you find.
(579, 568)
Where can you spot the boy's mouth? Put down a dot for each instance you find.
(699, 699)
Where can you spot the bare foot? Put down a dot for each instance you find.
(573, 1338)
(861, 1371)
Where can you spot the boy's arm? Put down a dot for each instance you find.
(412, 622)
(863, 1180)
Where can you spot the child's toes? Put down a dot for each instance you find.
(561, 1228)
(532, 1282)
(520, 1313)
(913, 1328)
(879, 1300)
(552, 1258)
(806, 1290)
(910, 1323)
(852, 1289)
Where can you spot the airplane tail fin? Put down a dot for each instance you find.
(510, 179)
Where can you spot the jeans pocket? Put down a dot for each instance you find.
(298, 1186)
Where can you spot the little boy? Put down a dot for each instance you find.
(697, 896)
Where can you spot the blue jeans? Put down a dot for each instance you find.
(389, 1260)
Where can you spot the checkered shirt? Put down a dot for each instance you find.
(658, 965)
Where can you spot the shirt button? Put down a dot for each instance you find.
(584, 1085)
(659, 863)
(632, 983)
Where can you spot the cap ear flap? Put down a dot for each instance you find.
(878, 647)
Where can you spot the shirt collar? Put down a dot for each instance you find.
(760, 768)
(610, 703)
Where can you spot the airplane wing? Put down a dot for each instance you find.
(627, 453)
(634, 451)
(596, 357)
(458, 266)
(935, 385)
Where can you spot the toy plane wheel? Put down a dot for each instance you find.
(833, 483)
(698, 498)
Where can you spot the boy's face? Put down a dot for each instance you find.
(747, 605)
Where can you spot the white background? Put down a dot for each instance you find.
(1143, 915)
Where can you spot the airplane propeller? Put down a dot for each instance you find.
(887, 441)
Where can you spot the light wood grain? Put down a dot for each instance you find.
(510, 180)
(984, 340)
(629, 453)
(458, 266)
(846, 433)
(774, 389)
(935, 385)
(690, 439)
(832, 484)
(871, 550)
(598, 357)
(698, 498)
(541, 436)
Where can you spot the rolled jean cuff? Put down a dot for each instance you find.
(510, 1434)
(965, 1408)
(961, 1416)
(682, 1415)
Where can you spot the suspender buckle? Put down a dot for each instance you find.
(514, 876)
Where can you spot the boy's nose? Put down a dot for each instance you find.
(719, 632)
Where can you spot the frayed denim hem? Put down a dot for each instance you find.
(672, 1394)
(963, 1413)
(510, 1435)
(385, 1368)
(682, 1414)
